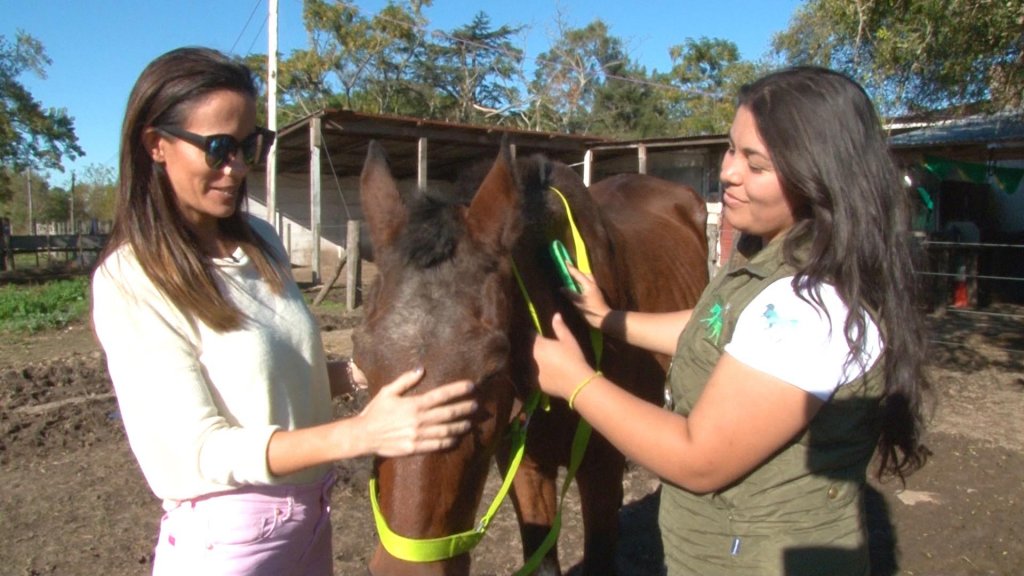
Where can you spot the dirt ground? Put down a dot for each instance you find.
(73, 501)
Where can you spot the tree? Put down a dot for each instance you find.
(330, 70)
(568, 77)
(630, 104)
(360, 63)
(915, 55)
(474, 70)
(96, 193)
(30, 137)
(708, 73)
(585, 82)
(27, 195)
(387, 63)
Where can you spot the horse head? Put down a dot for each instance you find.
(440, 301)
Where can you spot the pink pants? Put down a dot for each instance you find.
(255, 531)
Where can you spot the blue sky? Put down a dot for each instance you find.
(99, 47)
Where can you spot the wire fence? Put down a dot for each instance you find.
(971, 275)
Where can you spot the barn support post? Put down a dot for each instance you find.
(421, 163)
(353, 277)
(315, 145)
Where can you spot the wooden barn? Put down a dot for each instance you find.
(320, 157)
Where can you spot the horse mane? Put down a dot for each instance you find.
(536, 175)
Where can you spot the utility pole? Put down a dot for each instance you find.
(31, 221)
(272, 114)
(72, 231)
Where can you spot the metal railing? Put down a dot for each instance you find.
(971, 272)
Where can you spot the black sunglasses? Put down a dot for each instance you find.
(221, 148)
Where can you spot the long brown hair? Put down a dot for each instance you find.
(147, 216)
(833, 162)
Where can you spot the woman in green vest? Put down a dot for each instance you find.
(802, 360)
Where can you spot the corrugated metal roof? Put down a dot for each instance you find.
(998, 136)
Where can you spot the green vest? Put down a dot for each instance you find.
(802, 512)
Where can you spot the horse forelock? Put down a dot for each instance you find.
(432, 232)
(435, 281)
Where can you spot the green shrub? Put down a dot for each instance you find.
(31, 308)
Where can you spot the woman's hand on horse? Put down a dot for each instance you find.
(398, 425)
(560, 360)
(589, 300)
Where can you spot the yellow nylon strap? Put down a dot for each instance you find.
(579, 447)
(582, 260)
(423, 549)
(445, 547)
(526, 296)
(582, 436)
(583, 265)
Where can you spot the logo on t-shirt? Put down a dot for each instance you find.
(776, 324)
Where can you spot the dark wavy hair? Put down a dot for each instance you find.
(833, 161)
(147, 215)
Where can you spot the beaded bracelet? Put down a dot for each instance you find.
(581, 386)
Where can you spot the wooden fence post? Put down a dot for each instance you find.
(5, 243)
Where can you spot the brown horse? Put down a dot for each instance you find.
(447, 299)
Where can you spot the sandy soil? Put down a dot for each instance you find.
(74, 501)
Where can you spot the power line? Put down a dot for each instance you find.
(244, 28)
(258, 32)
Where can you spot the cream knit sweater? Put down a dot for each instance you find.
(198, 406)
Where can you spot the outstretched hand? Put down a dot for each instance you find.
(589, 300)
(560, 360)
(398, 425)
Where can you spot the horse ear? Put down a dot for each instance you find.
(383, 208)
(493, 217)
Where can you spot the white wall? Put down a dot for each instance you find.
(294, 213)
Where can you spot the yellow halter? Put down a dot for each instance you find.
(445, 547)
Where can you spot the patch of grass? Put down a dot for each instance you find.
(327, 306)
(32, 308)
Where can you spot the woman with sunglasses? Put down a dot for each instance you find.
(217, 363)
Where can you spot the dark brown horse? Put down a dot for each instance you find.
(447, 298)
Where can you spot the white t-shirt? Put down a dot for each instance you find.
(784, 336)
(199, 406)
